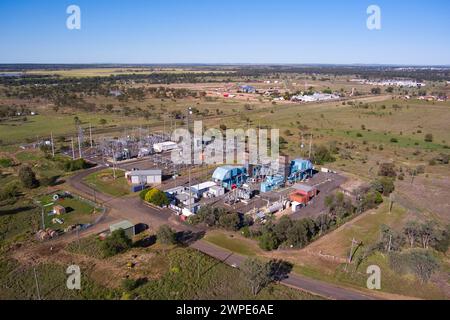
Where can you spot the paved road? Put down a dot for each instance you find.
(134, 210)
(299, 282)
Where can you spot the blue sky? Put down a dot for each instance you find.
(232, 31)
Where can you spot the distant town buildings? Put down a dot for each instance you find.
(392, 83)
(315, 97)
(247, 89)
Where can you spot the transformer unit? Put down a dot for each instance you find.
(230, 177)
(272, 183)
(301, 169)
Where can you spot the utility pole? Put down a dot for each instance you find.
(190, 191)
(114, 161)
(391, 203)
(90, 135)
(37, 284)
(198, 266)
(42, 218)
(351, 250)
(79, 146)
(310, 146)
(53, 145)
(73, 150)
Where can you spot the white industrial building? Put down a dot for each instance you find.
(164, 146)
(216, 191)
(144, 177)
(200, 189)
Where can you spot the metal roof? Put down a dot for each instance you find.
(224, 173)
(203, 186)
(303, 187)
(145, 173)
(167, 143)
(123, 225)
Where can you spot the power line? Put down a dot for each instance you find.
(37, 284)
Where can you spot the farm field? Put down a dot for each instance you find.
(111, 71)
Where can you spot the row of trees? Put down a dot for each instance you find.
(287, 233)
(220, 218)
(411, 250)
(118, 242)
(297, 234)
(424, 235)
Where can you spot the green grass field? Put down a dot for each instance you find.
(233, 244)
(18, 283)
(18, 221)
(216, 281)
(78, 211)
(42, 125)
(104, 182)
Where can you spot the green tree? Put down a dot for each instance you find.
(282, 227)
(6, 163)
(9, 192)
(390, 240)
(423, 264)
(116, 243)
(387, 170)
(268, 241)
(157, 197)
(256, 274)
(442, 242)
(384, 185)
(412, 232)
(376, 90)
(28, 178)
(231, 222)
(322, 155)
(297, 235)
(75, 165)
(166, 235)
(427, 234)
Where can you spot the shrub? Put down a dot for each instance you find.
(322, 155)
(387, 170)
(268, 241)
(423, 264)
(384, 185)
(131, 284)
(442, 242)
(143, 193)
(231, 222)
(28, 178)
(75, 165)
(116, 243)
(398, 263)
(10, 191)
(6, 163)
(166, 235)
(428, 137)
(157, 197)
